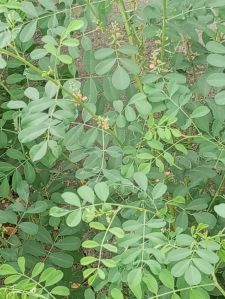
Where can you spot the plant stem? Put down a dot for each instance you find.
(163, 35)
(7, 90)
(218, 286)
(217, 193)
(133, 40)
(180, 290)
(45, 76)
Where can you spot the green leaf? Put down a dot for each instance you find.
(28, 31)
(118, 232)
(204, 266)
(104, 66)
(110, 247)
(23, 190)
(60, 291)
(206, 218)
(38, 54)
(118, 106)
(151, 283)
(15, 154)
(6, 269)
(220, 210)
(87, 260)
(167, 278)
(51, 89)
(103, 53)
(39, 206)
(4, 189)
(29, 228)
(38, 151)
(179, 268)
(71, 42)
(88, 272)
(16, 104)
(116, 294)
(141, 180)
(86, 193)
(114, 151)
(74, 25)
(220, 98)
(197, 204)
(200, 111)
(46, 274)
(128, 49)
(102, 191)
(71, 198)
(141, 103)
(21, 264)
(29, 172)
(2, 63)
(109, 263)
(100, 273)
(86, 43)
(208, 255)
(198, 293)
(53, 279)
(159, 190)
(38, 268)
(3, 139)
(215, 47)
(216, 80)
(120, 78)
(58, 212)
(48, 5)
(89, 294)
(97, 225)
(12, 279)
(215, 3)
(130, 113)
(184, 240)
(64, 58)
(216, 60)
(31, 133)
(69, 243)
(130, 66)
(14, 78)
(90, 244)
(8, 216)
(192, 275)
(74, 218)
(61, 259)
(178, 254)
(134, 279)
(29, 9)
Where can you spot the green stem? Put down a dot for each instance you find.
(104, 237)
(40, 285)
(45, 76)
(133, 40)
(163, 36)
(92, 10)
(217, 193)
(180, 290)
(218, 286)
(10, 291)
(7, 90)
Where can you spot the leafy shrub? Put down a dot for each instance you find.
(112, 159)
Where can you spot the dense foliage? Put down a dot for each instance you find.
(112, 147)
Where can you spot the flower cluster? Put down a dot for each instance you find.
(79, 98)
(103, 122)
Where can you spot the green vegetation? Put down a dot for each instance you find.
(112, 146)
